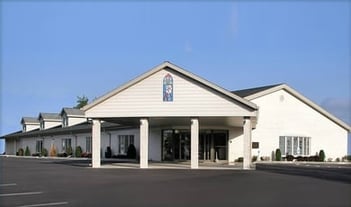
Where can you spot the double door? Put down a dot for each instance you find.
(213, 145)
(175, 145)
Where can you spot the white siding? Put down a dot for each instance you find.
(75, 120)
(145, 99)
(281, 114)
(10, 147)
(30, 127)
(51, 124)
(236, 144)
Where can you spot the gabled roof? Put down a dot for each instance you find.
(253, 93)
(29, 120)
(72, 112)
(250, 91)
(50, 116)
(170, 66)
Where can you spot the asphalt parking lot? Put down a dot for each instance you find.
(43, 182)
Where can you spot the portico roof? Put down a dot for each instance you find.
(172, 67)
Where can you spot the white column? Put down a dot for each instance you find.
(247, 143)
(144, 143)
(96, 141)
(194, 143)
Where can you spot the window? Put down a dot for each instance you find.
(39, 146)
(294, 145)
(123, 143)
(88, 144)
(66, 143)
(65, 121)
(42, 125)
(168, 88)
(24, 128)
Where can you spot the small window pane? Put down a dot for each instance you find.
(289, 146)
(282, 144)
(295, 146)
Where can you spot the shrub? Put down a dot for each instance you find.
(27, 152)
(290, 157)
(346, 158)
(254, 158)
(314, 158)
(44, 152)
(64, 154)
(278, 155)
(87, 154)
(53, 152)
(37, 154)
(78, 151)
(240, 159)
(321, 156)
(69, 151)
(337, 159)
(131, 152)
(108, 153)
(20, 152)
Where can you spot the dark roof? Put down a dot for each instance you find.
(52, 116)
(73, 112)
(30, 120)
(250, 91)
(59, 130)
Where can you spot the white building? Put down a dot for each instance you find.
(171, 114)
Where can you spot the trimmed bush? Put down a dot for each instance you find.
(87, 154)
(321, 156)
(20, 152)
(131, 152)
(78, 151)
(346, 158)
(64, 154)
(240, 159)
(27, 152)
(44, 152)
(278, 155)
(254, 158)
(290, 157)
(69, 151)
(53, 152)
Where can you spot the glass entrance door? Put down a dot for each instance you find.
(213, 145)
(175, 145)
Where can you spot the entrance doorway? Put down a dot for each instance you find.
(213, 145)
(175, 145)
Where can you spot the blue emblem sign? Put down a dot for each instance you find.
(168, 88)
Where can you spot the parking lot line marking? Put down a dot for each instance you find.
(7, 184)
(20, 194)
(45, 204)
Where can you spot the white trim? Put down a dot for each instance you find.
(303, 99)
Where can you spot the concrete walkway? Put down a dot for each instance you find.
(175, 165)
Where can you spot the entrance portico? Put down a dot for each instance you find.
(168, 97)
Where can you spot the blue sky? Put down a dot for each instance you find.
(53, 51)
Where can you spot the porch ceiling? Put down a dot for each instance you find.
(182, 121)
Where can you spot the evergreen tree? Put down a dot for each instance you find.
(81, 101)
